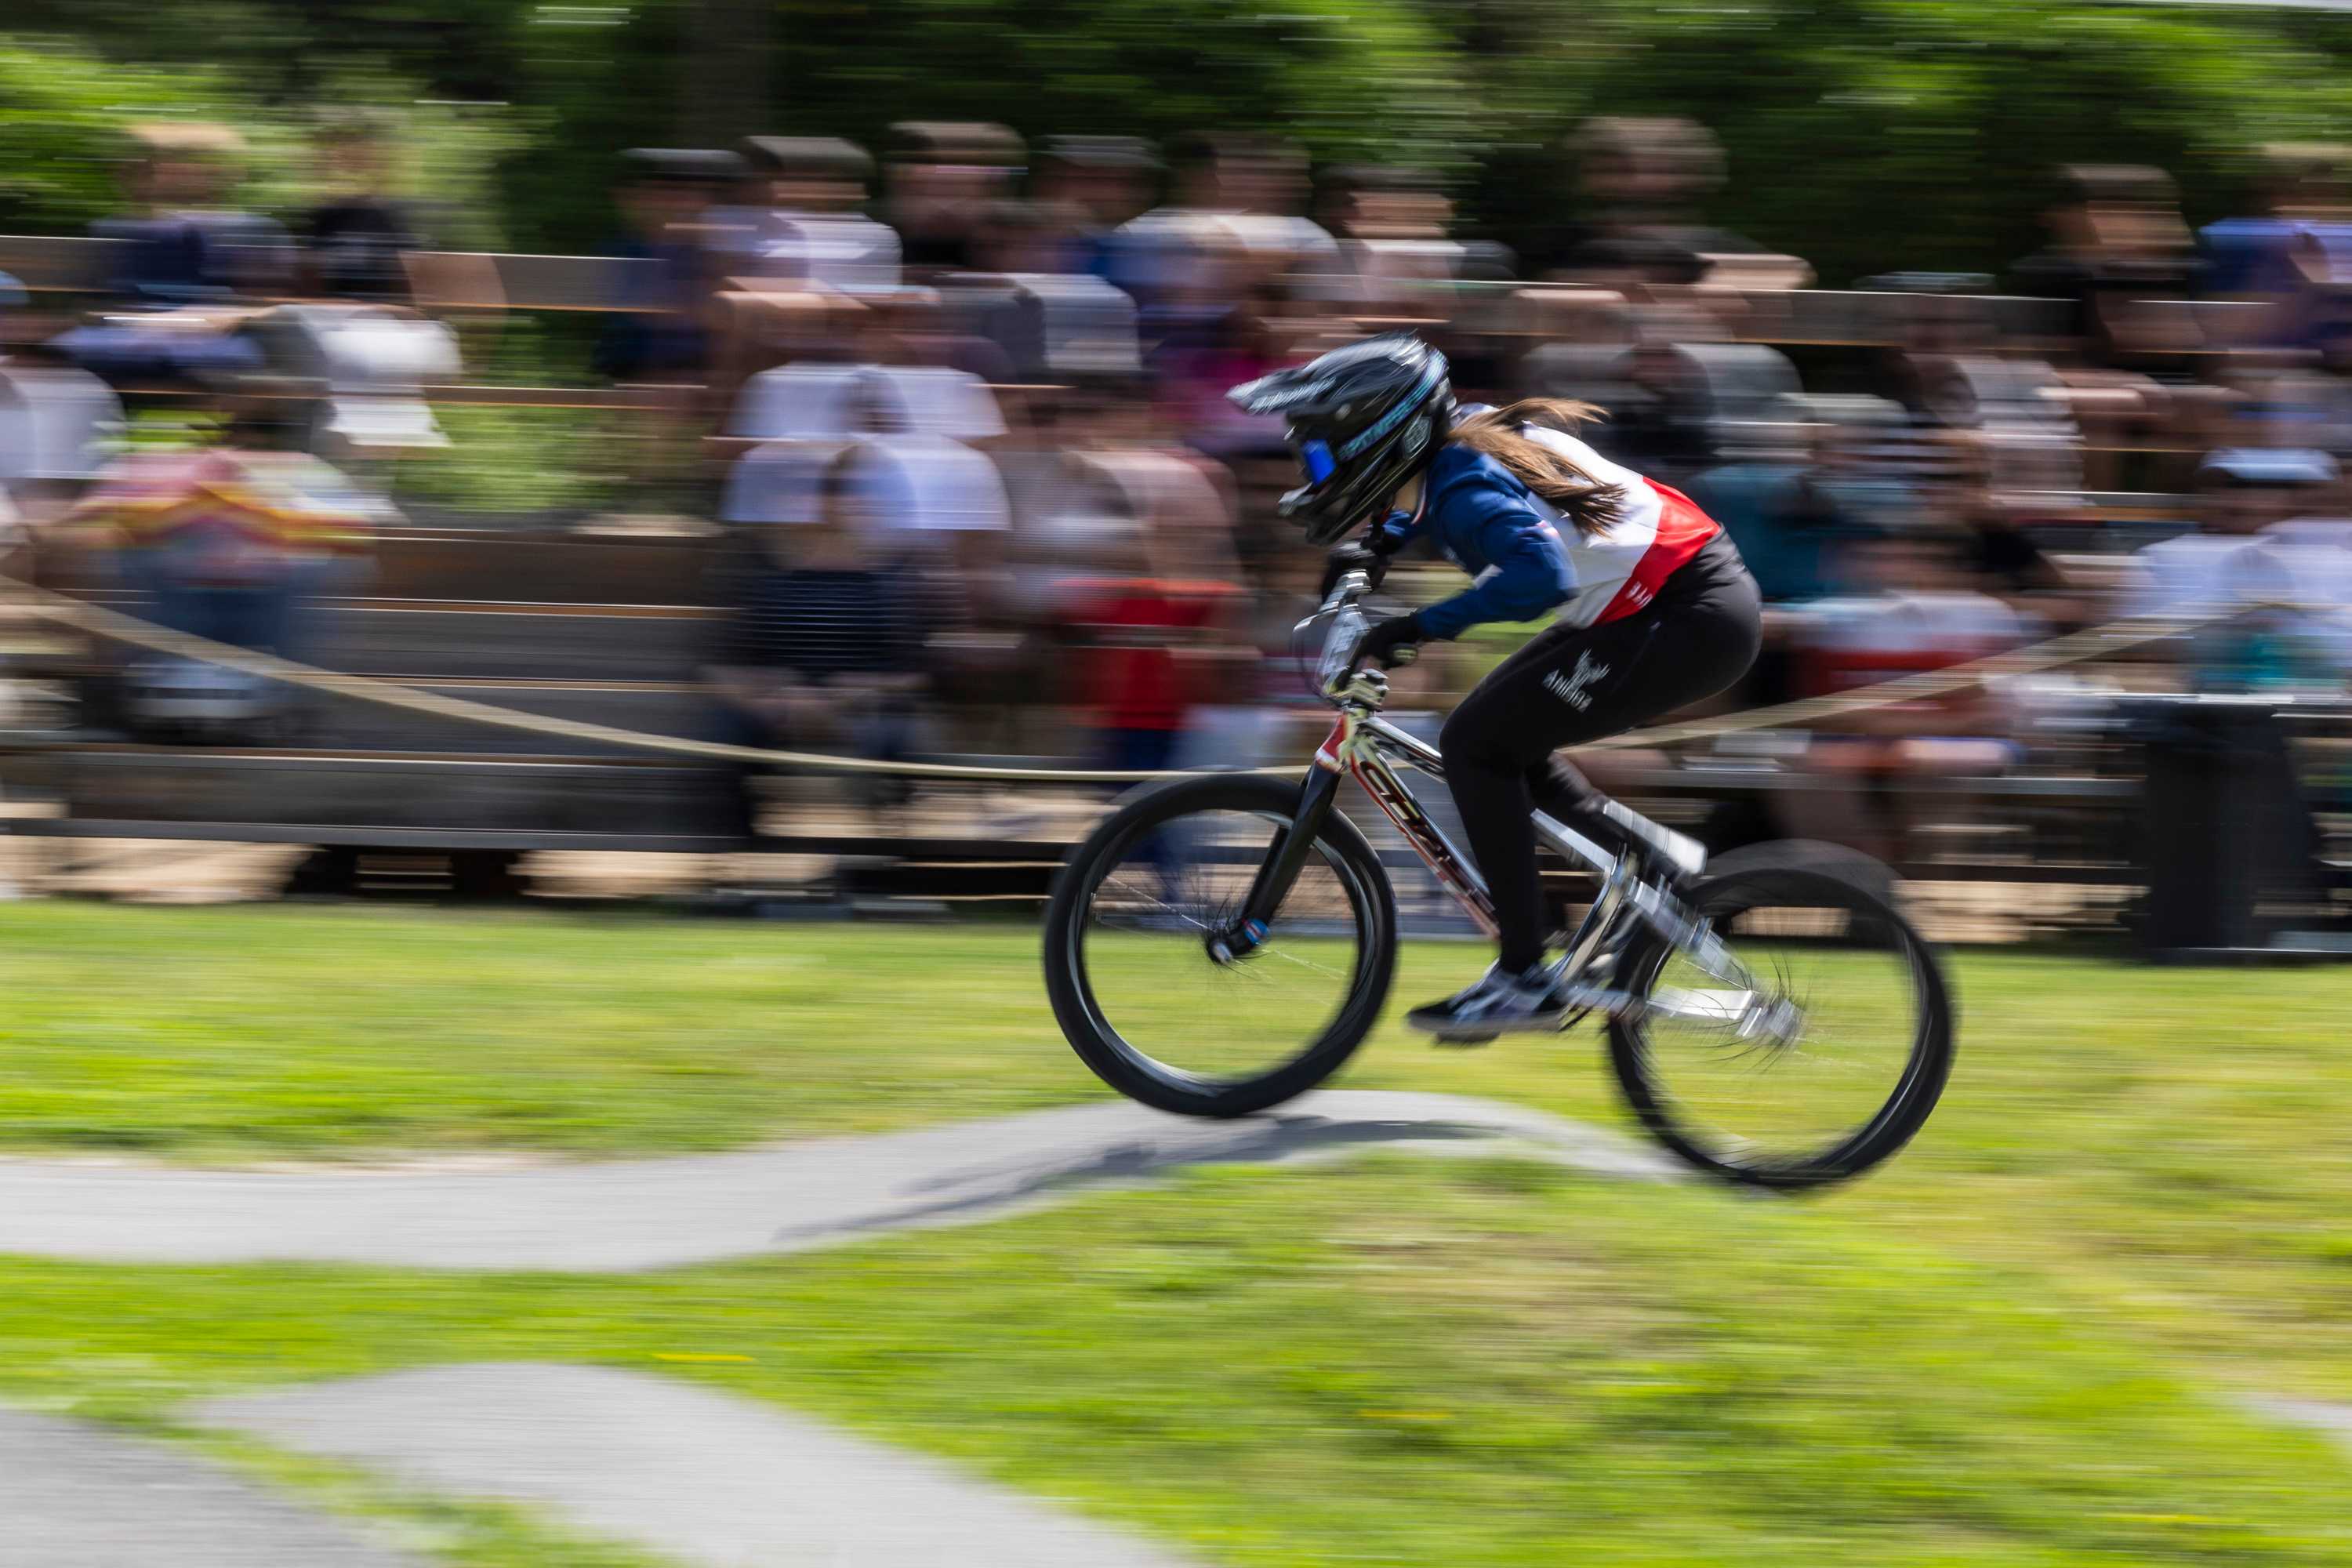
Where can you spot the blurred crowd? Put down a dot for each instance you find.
(954, 415)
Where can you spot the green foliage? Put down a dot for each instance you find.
(1868, 135)
(1862, 134)
(62, 110)
(64, 106)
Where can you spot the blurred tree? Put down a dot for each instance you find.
(1872, 134)
(1861, 135)
(728, 61)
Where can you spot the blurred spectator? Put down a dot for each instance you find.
(2116, 242)
(1919, 611)
(188, 261)
(1642, 181)
(1152, 639)
(801, 222)
(658, 332)
(1106, 180)
(942, 177)
(1231, 222)
(1997, 555)
(57, 421)
(1793, 514)
(352, 242)
(2299, 232)
(181, 244)
(2120, 259)
(2306, 403)
(229, 543)
(1664, 425)
(1388, 226)
(1020, 237)
(2241, 491)
(824, 647)
(811, 400)
(1050, 326)
(1952, 382)
(2262, 543)
(372, 362)
(1197, 366)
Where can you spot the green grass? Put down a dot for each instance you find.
(1479, 1363)
(290, 1030)
(2012, 1345)
(2171, 1137)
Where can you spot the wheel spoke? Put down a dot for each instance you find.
(1144, 945)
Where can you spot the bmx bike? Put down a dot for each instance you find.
(1222, 943)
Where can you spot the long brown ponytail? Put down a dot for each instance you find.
(1587, 503)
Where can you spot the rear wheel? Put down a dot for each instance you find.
(1829, 1065)
(1151, 986)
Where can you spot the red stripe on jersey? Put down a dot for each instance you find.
(1683, 530)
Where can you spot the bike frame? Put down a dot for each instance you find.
(1372, 750)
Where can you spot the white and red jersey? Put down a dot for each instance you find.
(1620, 569)
(1526, 560)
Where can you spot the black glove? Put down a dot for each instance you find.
(1392, 642)
(1367, 554)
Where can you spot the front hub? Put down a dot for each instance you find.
(1232, 943)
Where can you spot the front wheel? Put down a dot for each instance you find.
(1150, 985)
(1833, 1058)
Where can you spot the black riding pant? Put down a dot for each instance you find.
(1571, 685)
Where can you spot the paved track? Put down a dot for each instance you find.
(73, 1495)
(700, 1476)
(638, 1214)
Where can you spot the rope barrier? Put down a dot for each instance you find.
(2075, 648)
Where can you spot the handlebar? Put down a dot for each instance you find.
(1350, 588)
(1336, 670)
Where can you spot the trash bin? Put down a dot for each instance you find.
(2228, 843)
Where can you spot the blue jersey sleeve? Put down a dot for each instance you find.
(1492, 530)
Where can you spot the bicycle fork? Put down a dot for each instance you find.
(1292, 842)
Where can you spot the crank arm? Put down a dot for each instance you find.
(1693, 936)
(1728, 1008)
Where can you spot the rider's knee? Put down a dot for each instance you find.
(1463, 738)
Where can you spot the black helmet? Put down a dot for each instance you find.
(1364, 420)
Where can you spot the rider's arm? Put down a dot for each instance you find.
(1396, 530)
(1529, 569)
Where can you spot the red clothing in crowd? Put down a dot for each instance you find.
(1132, 675)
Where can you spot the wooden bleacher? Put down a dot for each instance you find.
(609, 631)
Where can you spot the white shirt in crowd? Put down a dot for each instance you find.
(805, 401)
(917, 483)
(847, 252)
(56, 423)
(2300, 569)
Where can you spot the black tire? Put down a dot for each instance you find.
(1354, 867)
(1815, 878)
